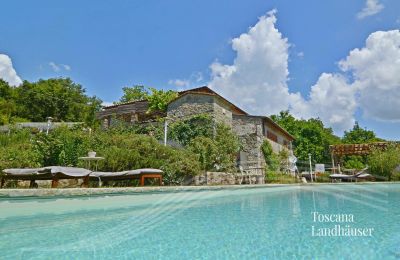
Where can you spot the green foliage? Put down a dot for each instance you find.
(279, 177)
(359, 136)
(59, 98)
(186, 130)
(217, 154)
(354, 162)
(275, 162)
(16, 150)
(132, 151)
(159, 99)
(122, 151)
(135, 93)
(7, 103)
(271, 158)
(384, 162)
(62, 146)
(311, 136)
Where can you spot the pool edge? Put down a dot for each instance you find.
(70, 192)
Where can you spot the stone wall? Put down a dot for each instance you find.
(276, 147)
(190, 105)
(251, 135)
(66, 183)
(194, 104)
(223, 178)
(222, 113)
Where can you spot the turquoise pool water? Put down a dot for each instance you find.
(258, 223)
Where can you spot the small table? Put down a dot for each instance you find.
(89, 159)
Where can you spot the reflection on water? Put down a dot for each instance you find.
(251, 223)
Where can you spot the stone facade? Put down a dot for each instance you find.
(192, 104)
(222, 113)
(250, 133)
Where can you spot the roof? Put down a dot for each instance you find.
(269, 120)
(201, 90)
(207, 91)
(124, 103)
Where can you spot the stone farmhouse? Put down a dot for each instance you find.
(251, 130)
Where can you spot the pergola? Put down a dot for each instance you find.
(339, 150)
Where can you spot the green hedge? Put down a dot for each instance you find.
(122, 151)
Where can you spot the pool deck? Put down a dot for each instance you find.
(68, 192)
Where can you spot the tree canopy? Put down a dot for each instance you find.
(358, 135)
(311, 136)
(158, 99)
(314, 138)
(134, 93)
(59, 98)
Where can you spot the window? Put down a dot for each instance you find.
(272, 136)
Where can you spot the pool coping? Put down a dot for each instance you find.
(68, 192)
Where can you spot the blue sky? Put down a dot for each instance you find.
(106, 45)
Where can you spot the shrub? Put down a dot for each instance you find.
(16, 150)
(354, 162)
(279, 177)
(217, 154)
(62, 146)
(122, 151)
(132, 151)
(384, 162)
(186, 130)
(271, 159)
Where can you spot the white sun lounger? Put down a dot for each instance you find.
(359, 175)
(127, 175)
(53, 173)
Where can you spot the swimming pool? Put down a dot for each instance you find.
(272, 222)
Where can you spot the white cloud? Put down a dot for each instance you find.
(193, 81)
(376, 71)
(7, 71)
(107, 104)
(179, 82)
(332, 99)
(66, 67)
(57, 67)
(54, 66)
(257, 79)
(371, 7)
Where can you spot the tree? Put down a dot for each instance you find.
(59, 98)
(311, 136)
(135, 93)
(359, 136)
(7, 103)
(159, 99)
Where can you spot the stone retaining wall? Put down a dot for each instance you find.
(223, 178)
